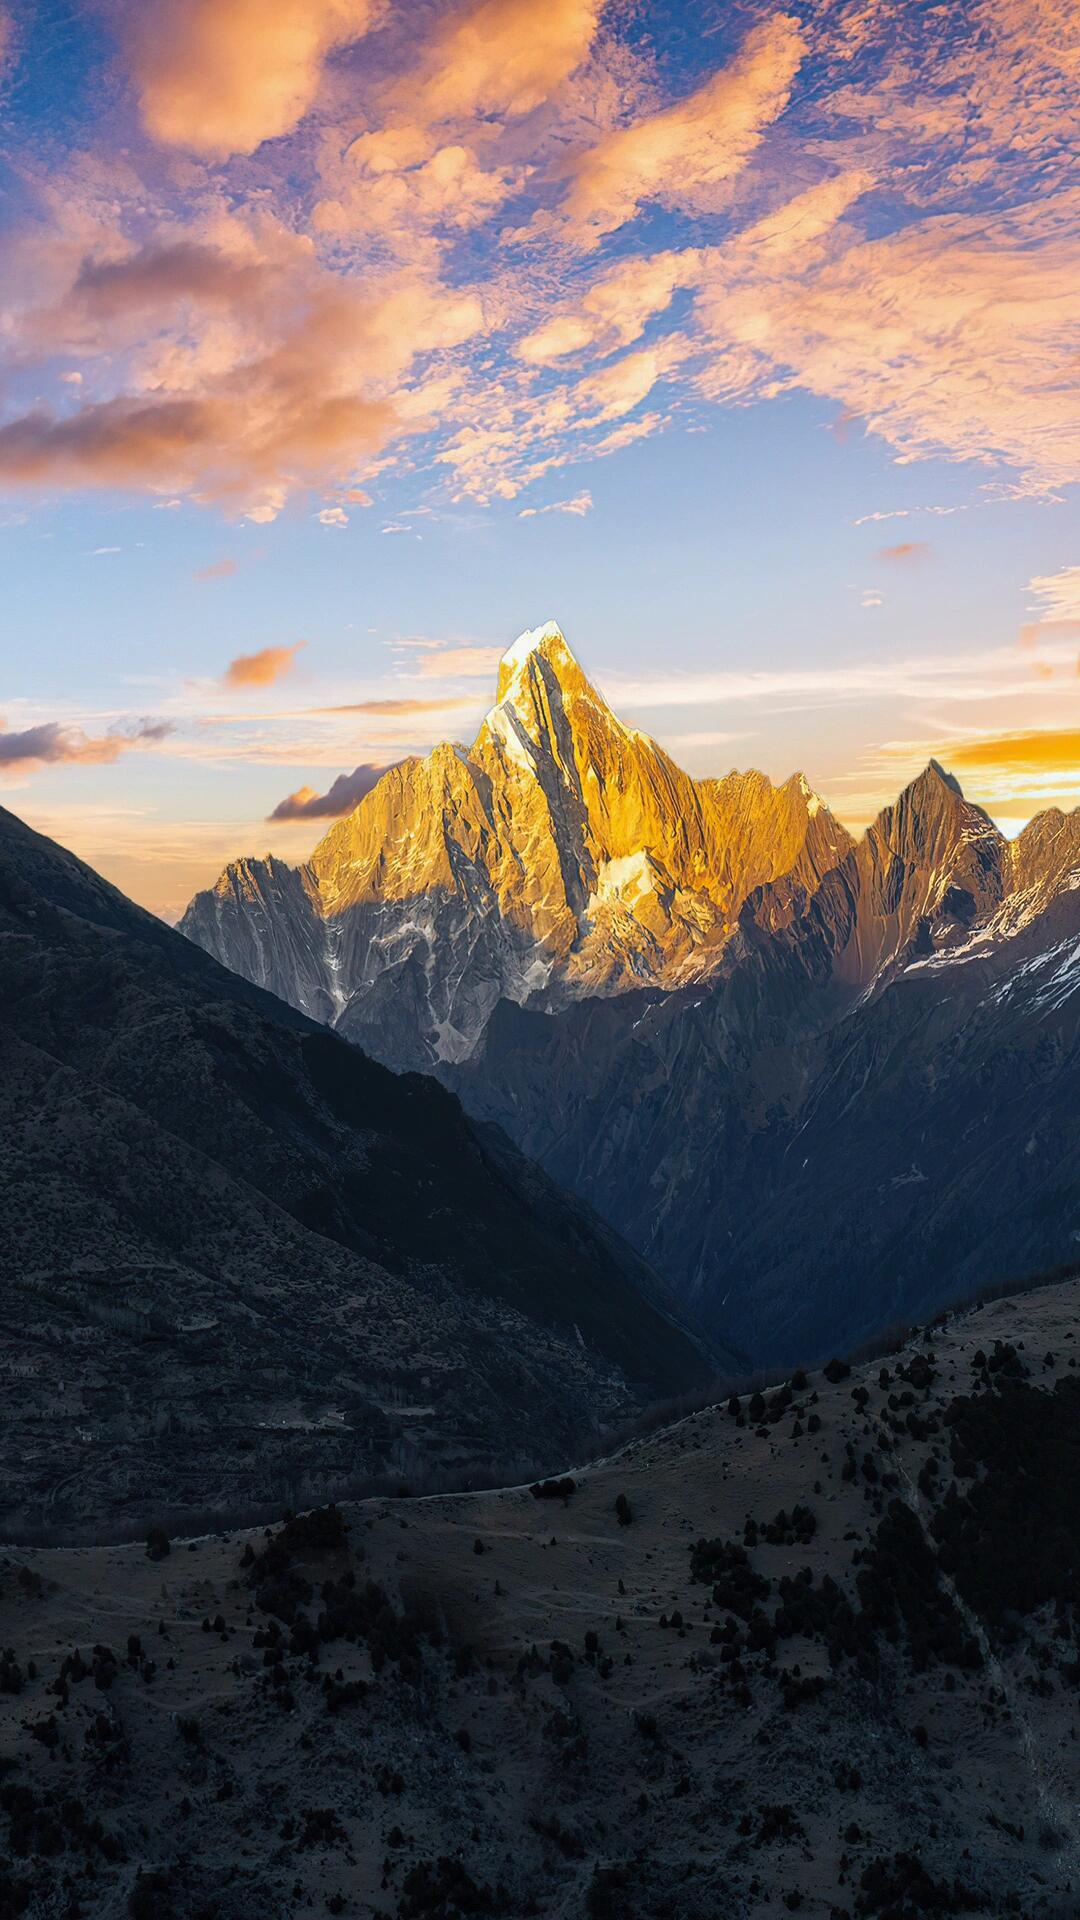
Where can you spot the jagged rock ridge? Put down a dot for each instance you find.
(873, 1104)
(561, 855)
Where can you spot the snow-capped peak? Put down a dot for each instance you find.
(527, 643)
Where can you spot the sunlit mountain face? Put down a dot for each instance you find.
(341, 338)
(562, 854)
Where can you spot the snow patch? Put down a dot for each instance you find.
(627, 880)
(506, 728)
(527, 643)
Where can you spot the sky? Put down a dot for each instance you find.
(341, 340)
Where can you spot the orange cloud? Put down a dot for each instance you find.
(451, 189)
(217, 570)
(1034, 752)
(406, 176)
(500, 57)
(681, 155)
(261, 669)
(905, 552)
(53, 744)
(219, 77)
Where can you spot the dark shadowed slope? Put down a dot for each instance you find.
(239, 1259)
(812, 1653)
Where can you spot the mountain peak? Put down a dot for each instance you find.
(548, 643)
(935, 771)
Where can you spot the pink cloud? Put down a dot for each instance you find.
(53, 744)
(682, 154)
(498, 57)
(219, 77)
(247, 370)
(946, 337)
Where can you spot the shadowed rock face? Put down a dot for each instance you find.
(561, 855)
(240, 1261)
(874, 1103)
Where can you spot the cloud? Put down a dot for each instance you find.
(218, 448)
(398, 707)
(7, 40)
(217, 570)
(906, 552)
(346, 793)
(948, 337)
(153, 276)
(1038, 751)
(995, 673)
(292, 386)
(459, 663)
(498, 57)
(1058, 594)
(218, 77)
(53, 743)
(332, 517)
(879, 218)
(421, 167)
(580, 505)
(402, 206)
(681, 155)
(615, 310)
(261, 669)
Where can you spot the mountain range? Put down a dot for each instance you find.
(242, 1263)
(819, 1083)
(561, 855)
